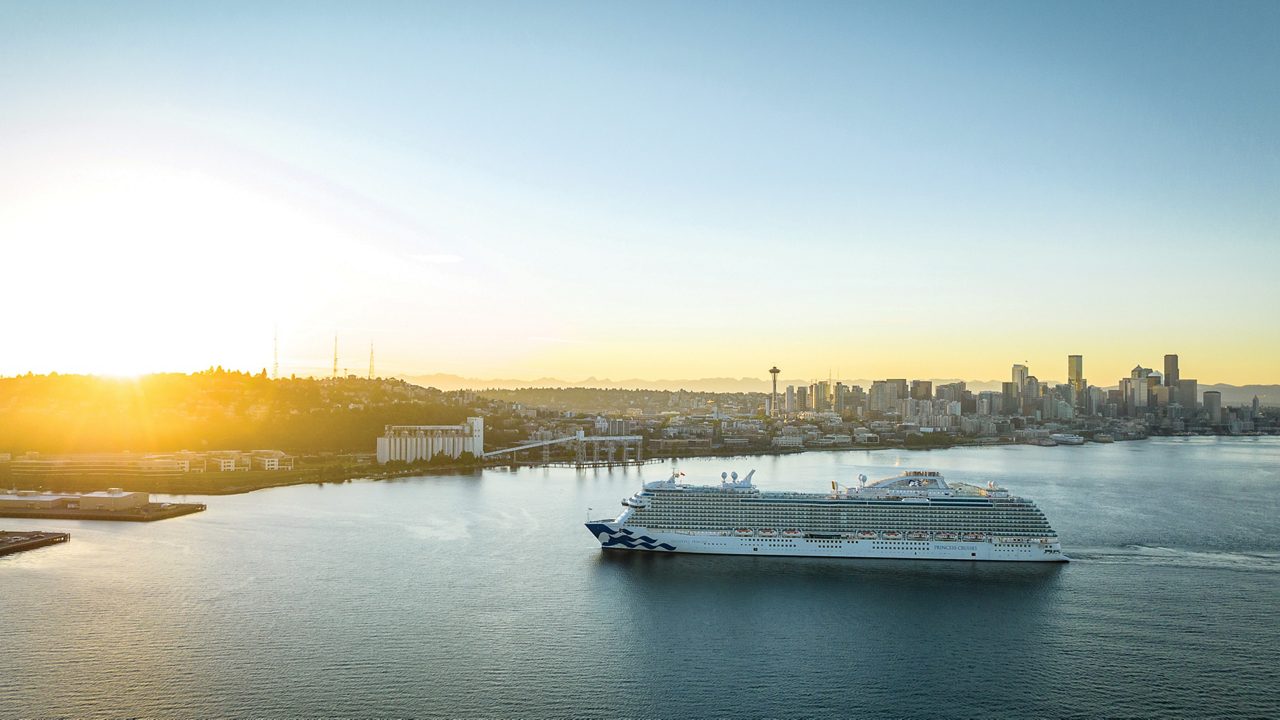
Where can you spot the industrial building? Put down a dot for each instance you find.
(113, 499)
(410, 443)
(117, 465)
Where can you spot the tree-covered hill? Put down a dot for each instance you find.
(214, 409)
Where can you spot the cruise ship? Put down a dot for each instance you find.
(914, 515)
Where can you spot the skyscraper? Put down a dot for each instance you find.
(1171, 370)
(1075, 376)
(1012, 397)
(1138, 388)
(1020, 378)
(1213, 406)
(1187, 393)
(921, 389)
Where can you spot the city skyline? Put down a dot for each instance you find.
(666, 191)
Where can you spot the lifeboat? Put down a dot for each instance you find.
(767, 532)
(892, 535)
(792, 533)
(975, 537)
(866, 535)
(917, 535)
(945, 536)
(742, 532)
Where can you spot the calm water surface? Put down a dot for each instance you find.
(482, 595)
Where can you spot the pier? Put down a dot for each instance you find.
(588, 451)
(14, 542)
(145, 513)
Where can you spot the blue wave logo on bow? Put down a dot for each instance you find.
(624, 538)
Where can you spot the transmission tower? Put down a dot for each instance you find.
(335, 357)
(370, 361)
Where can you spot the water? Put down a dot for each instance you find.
(482, 595)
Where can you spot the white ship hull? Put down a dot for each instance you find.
(613, 536)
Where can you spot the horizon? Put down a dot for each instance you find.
(607, 383)
(674, 190)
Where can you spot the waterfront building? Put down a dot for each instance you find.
(410, 443)
(34, 465)
(113, 499)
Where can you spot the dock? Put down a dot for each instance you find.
(13, 542)
(144, 513)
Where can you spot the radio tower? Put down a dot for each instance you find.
(335, 357)
(275, 354)
(370, 361)
(773, 403)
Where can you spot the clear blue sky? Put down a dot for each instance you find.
(811, 184)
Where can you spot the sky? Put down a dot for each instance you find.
(641, 190)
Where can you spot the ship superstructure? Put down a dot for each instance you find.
(917, 514)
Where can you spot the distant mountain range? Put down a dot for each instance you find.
(1231, 394)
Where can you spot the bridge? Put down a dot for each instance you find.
(616, 449)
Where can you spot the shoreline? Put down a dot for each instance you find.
(337, 475)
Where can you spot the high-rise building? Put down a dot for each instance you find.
(791, 398)
(951, 392)
(1213, 406)
(1138, 388)
(820, 396)
(1020, 373)
(1126, 396)
(1171, 370)
(921, 389)
(885, 396)
(1075, 377)
(1012, 398)
(1187, 394)
(837, 397)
